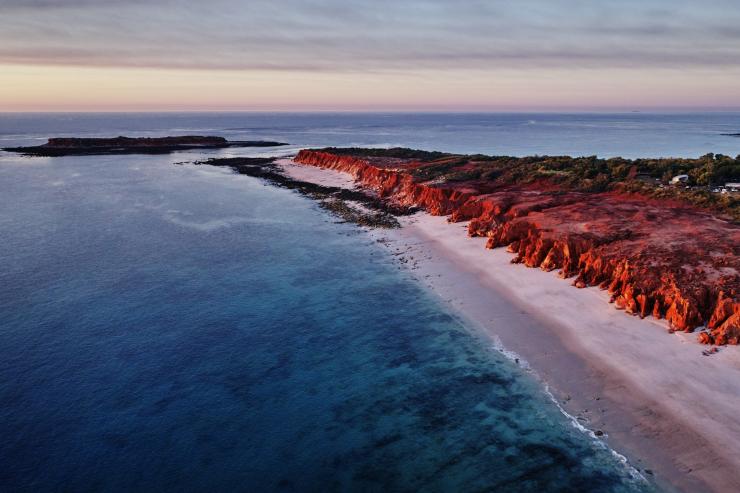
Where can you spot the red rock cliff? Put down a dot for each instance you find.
(654, 258)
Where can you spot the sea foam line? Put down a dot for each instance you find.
(515, 358)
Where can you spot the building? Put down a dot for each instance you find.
(678, 179)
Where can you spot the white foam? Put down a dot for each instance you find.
(633, 472)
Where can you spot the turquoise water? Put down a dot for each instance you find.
(182, 328)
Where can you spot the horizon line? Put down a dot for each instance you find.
(585, 110)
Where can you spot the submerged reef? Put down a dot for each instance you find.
(355, 206)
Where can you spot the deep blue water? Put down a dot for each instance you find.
(178, 328)
(629, 135)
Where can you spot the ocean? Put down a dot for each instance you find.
(170, 327)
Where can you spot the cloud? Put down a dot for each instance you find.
(380, 35)
(31, 5)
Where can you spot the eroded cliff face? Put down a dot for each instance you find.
(386, 177)
(655, 258)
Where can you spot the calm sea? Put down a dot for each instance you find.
(170, 327)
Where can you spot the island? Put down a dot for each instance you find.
(73, 146)
(667, 251)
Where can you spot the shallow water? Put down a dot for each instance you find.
(181, 328)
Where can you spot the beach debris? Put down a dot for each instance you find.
(710, 351)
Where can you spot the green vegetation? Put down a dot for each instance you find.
(395, 152)
(648, 177)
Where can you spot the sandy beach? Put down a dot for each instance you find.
(653, 396)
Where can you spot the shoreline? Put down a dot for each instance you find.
(653, 395)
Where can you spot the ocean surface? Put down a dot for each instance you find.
(630, 135)
(171, 327)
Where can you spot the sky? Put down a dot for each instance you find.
(415, 55)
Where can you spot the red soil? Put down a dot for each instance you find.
(656, 258)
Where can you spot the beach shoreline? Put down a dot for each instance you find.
(651, 395)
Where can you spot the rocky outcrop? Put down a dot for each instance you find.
(390, 182)
(656, 258)
(354, 206)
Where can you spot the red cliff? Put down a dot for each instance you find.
(655, 257)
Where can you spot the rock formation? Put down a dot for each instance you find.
(656, 257)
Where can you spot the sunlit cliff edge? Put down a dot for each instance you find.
(661, 250)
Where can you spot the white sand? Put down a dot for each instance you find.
(655, 395)
(313, 174)
(634, 364)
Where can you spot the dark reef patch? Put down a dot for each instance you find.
(352, 206)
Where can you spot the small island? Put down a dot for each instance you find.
(73, 146)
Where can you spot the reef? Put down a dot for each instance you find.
(659, 251)
(353, 206)
(72, 146)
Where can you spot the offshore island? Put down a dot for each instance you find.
(659, 239)
(71, 146)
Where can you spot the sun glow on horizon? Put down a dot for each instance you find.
(63, 88)
(130, 55)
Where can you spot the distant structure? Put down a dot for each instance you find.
(728, 188)
(678, 179)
